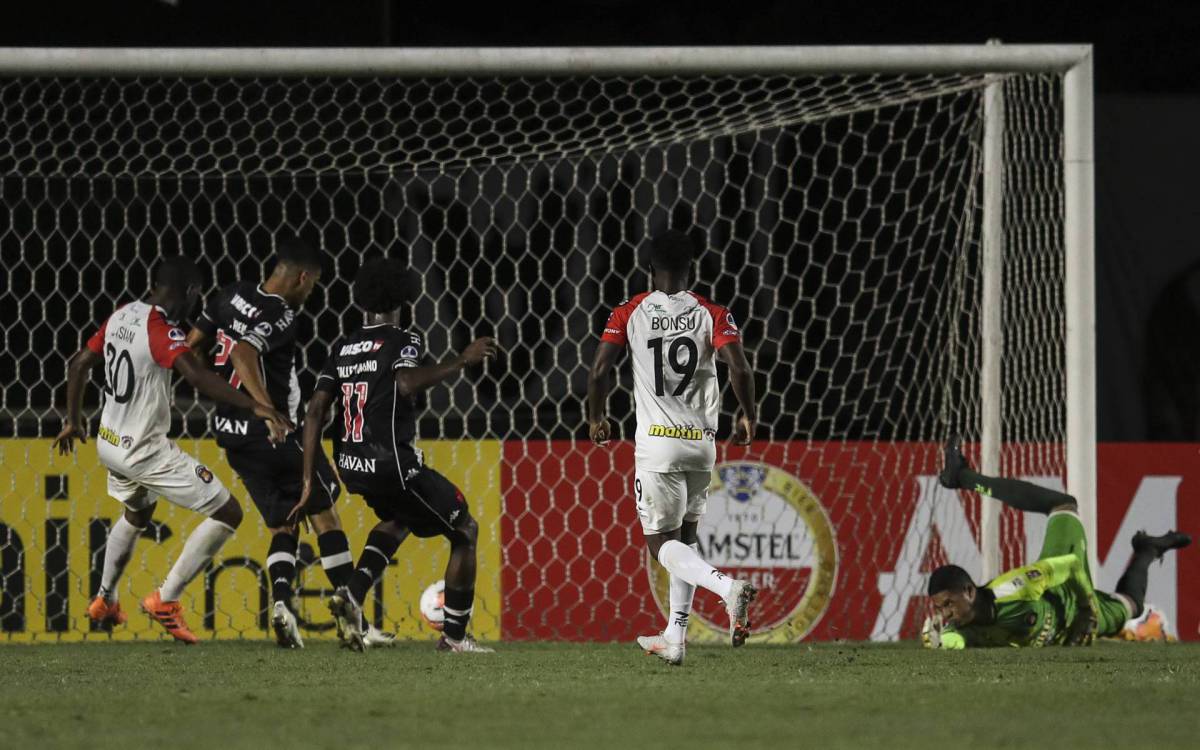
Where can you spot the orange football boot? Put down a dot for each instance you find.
(170, 616)
(102, 612)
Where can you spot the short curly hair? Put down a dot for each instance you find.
(383, 285)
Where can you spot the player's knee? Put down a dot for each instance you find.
(468, 531)
(326, 520)
(230, 513)
(1068, 505)
(140, 518)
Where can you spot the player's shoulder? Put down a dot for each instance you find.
(633, 303)
(714, 308)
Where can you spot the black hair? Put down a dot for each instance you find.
(383, 285)
(295, 252)
(177, 272)
(949, 578)
(672, 251)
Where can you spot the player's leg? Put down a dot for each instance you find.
(347, 603)
(1146, 549)
(336, 560)
(185, 482)
(665, 499)
(105, 608)
(957, 473)
(436, 507)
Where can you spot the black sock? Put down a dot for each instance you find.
(281, 566)
(1133, 581)
(335, 557)
(457, 608)
(1015, 492)
(375, 557)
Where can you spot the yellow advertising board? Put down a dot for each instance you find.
(55, 514)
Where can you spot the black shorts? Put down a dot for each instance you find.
(428, 504)
(273, 475)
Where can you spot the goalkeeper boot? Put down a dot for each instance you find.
(738, 608)
(953, 462)
(287, 630)
(103, 612)
(342, 605)
(373, 637)
(468, 645)
(170, 616)
(658, 645)
(1160, 545)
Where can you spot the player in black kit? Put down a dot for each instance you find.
(254, 329)
(373, 375)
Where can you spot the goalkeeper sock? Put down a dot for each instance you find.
(281, 566)
(1133, 582)
(684, 562)
(1019, 494)
(118, 548)
(681, 597)
(197, 551)
(457, 605)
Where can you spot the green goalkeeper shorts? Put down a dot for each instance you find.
(1065, 536)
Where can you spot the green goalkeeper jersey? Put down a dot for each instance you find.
(1034, 605)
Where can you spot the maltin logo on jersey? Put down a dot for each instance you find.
(765, 526)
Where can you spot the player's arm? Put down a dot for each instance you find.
(198, 340)
(412, 380)
(741, 377)
(78, 372)
(599, 380)
(314, 422)
(208, 383)
(247, 363)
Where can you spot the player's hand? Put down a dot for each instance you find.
(1083, 628)
(600, 432)
(743, 431)
(479, 350)
(298, 509)
(65, 442)
(277, 424)
(931, 632)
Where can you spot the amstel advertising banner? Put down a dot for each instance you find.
(839, 537)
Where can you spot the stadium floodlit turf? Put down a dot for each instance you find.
(219, 696)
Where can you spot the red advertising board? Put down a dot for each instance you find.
(839, 536)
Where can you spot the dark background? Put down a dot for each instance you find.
(1147, 72)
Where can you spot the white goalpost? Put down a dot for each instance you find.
(906, 235)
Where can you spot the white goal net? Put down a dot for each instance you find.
(843, 218)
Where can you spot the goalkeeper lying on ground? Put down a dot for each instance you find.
(1050, 602)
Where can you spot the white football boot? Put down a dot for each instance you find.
(658, 645)
(287, 630)
(738, 608)
(376, 638)
(468, 645)
(342, 605)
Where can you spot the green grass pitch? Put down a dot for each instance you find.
(219, 696)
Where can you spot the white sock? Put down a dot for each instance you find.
(684, 562)
(199, 549)
(118, 548)
(681, 597)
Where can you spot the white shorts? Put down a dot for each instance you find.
(166, 471)
(666, 499)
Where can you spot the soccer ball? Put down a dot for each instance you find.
(431, 605)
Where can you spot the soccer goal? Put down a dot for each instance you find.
(903, 233)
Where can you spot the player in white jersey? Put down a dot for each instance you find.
(139, 345)
(674, 337)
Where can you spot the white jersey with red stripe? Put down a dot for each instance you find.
(139, 346)
(673, 340)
